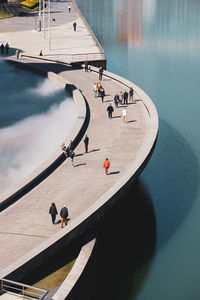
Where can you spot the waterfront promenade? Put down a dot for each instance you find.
(26, 224)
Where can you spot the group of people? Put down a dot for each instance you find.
(69, 151)
(122, 98)
(63, 214)
(4, 48)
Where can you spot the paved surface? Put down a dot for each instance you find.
(63, 43)
(27, 223)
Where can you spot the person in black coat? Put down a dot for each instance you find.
(125, 97)
(53, 211)
(64, 215)
(110, 110)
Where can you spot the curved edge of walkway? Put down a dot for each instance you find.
(76, 271)
(57, 158)
(80, 224)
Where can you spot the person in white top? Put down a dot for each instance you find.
(124, 115)
(69, 7)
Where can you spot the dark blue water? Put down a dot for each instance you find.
(156, 44)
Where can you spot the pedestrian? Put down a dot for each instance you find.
(2, 48)
(95, 90)
(100, 73)
(17, 53)
(110, 110)
(53, 21)
(86, 142)
(125, 97)
(106, 165)
(71, 155)
(53, 212)
(124, 115)
(7, 48)
(120, 97)
(41, 54)
(70, 147)
(64, 149)
(69, 8)
(99, 86)
(102, 93)
(116, 100)
(131, 93)
(64, 215)
(86, 66)
(74, 25)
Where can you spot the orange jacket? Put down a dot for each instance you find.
(106, 164)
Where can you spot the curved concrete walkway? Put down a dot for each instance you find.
(26, 224)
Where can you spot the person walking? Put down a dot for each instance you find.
(7, 48)
(86, 143)
(17, 53)
(121, 95)
(106, 165)
(69, 8)
(102, 94)
(125, 97)
(2, 48)
(124, 115)
(100, 73)
(53, 212)
(110, 110)
(95, 90)
(64, 215)
(116, 100)
(86, 66)
(74, 25)
(71, 155)
(131, 93)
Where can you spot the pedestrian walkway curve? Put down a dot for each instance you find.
(85, 189)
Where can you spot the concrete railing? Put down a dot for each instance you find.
(46, 168)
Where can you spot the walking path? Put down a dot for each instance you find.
(63, 43)
(26, 224)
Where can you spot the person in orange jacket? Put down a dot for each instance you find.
(106, 165)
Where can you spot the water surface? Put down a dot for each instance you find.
(156, 44)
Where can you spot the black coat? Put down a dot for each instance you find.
(64, 212)
(53, 210)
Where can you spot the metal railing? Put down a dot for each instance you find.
(22, 290)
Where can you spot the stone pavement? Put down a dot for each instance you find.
(26, 224)
(64, 44)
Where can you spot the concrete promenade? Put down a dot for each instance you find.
(61, 42)
(27, 224)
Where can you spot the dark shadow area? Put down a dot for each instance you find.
(115, 117)
(79, 165)
(132, 121)
(80, 154)
(113, 173)
(93, 150)
(126, 240)
(125, 245)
